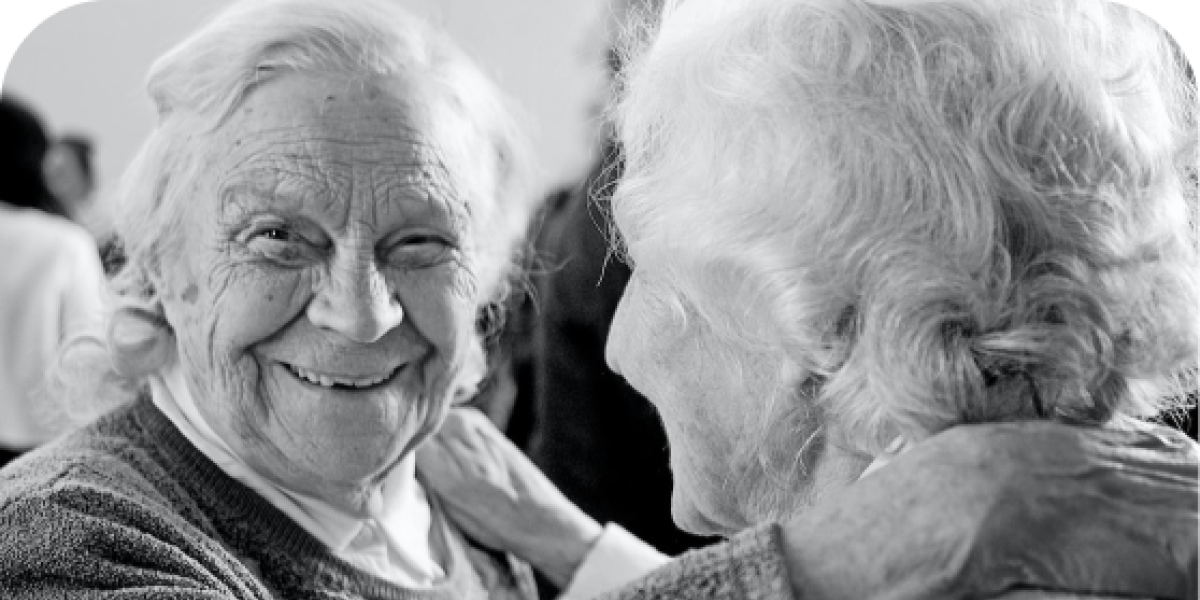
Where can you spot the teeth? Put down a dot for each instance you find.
(327, 381)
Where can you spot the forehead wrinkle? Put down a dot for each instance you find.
(273, 183)
(450, 187)
(422, 173)
(399, 164)
(315, 142)
(272, 159)
(400, 184)
(411, 199)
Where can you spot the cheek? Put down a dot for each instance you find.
(641, 345)
(701, 392)
(256, 304)
(224, 313)
(442, 311)
(441, 307)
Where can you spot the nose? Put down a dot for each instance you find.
(356, 302)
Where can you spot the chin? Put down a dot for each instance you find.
(690, 517)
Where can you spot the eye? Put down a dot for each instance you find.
(421, 250)
(279, 243)
(276, 234)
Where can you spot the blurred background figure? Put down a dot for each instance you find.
(49, 282)
(70, 176)
(68, 170)
(594, 436)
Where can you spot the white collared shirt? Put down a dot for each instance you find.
(392, 542)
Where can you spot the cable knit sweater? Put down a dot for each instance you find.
(127, 508)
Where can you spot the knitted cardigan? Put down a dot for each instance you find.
(128, 508)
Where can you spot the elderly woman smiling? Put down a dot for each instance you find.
(906, 275)
(332, 194)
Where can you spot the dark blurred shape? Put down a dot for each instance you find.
(1190, 425)
(23, 147)
(112, 255)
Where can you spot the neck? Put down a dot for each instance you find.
(791, 490)
(362, 498)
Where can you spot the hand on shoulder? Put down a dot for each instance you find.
(500, 499)
(980, 509)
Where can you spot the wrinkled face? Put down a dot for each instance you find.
(747, 444)
(711, 410)
(323, 297)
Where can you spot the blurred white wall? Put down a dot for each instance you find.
(83, 68)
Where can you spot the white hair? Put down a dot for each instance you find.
(200, 82)
(939, 212)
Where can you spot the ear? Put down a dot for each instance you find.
(141, 338)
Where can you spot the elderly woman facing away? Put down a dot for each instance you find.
(907, 277)
(331, 195)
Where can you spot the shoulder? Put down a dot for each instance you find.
(748, 566)
(92, 510)
(39, 228)
(54, 244)
(91, 471)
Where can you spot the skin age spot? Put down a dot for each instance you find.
(189, 294)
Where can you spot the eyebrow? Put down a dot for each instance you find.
(242, 194)
(234, 191)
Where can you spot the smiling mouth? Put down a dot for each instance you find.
(337, 382)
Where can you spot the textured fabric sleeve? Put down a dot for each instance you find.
(749, 566)
(74, 540)
(616, 559)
